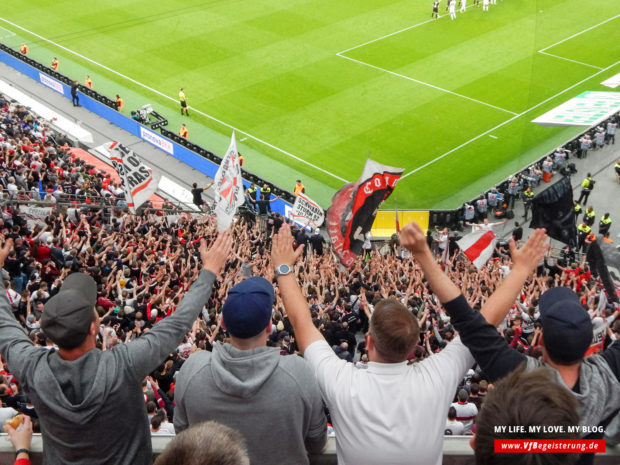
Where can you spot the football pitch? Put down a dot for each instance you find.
(314, 87)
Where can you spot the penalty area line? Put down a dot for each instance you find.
(507, 121)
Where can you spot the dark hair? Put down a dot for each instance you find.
(151, 407)
(394, 331)
(526, 399)
(451, 413)
(156, 422)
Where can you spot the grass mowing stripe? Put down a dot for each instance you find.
(507, 121)
(161, 94)
(427, 84)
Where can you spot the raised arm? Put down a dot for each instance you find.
(15, 346)
(413, 239)
(525, 260)
(296, 306)
(147, 352)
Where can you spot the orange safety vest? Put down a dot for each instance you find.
(24, 49)
(299, 189)
(183, 132)
(89, 83)
(55, 65)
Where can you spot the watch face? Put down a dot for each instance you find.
(284, 269)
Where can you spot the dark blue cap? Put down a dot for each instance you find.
(247, 310)
(567, 327)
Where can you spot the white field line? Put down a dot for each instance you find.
(393, 33)
(427, 84)
(161, 94)
(10, 33)
(507, 121)
(568, 59)
(579, 33)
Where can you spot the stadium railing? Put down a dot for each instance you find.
(456, 451)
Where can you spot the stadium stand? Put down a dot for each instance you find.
(66, 215)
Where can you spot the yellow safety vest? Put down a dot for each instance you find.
(584, 229)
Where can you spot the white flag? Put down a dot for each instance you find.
(306, 211)
(478, 246)
(228, 187)
(139, 182)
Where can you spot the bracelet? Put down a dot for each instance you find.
(19, 451)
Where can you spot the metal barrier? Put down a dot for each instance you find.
(456, 451)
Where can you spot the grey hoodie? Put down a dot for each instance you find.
(91, 409)
(272, 400)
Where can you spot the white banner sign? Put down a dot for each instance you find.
(228, 187)
(306, 210)
(51, 83)
(157, 140)
(587, 109)
(35, 215)
(139, 182)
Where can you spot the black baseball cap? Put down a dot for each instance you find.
(68, 315)
(567, 327)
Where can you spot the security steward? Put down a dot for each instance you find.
(582, 232)
(604, 226)
(528, 195)
(589, 216)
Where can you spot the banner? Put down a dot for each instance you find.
(354, 208)
(599, 268)
(35, 215)
(478, 246)
(307, 211)
(553, 210)
(139, 182)
(228, 187)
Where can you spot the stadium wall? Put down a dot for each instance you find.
(103, 106)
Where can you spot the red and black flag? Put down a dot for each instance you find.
(354, 208)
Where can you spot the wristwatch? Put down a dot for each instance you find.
(283, 270)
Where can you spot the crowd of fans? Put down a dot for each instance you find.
(143, 267)
(500, 201)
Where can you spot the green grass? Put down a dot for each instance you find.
(271, 69)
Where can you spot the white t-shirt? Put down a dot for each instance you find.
(390, 413)
(454, 428)
(465, 413)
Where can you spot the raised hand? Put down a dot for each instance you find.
(282, 252)
(214, 258)
(412, 238)
(5, 249)
(529, 256)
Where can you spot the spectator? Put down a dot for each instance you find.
(566, 333)
(528, 399)
(239, 383)
(388, 384)
(465, 411)
(453, 426)
(207, 443)
(20, 439)
(105, 385)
